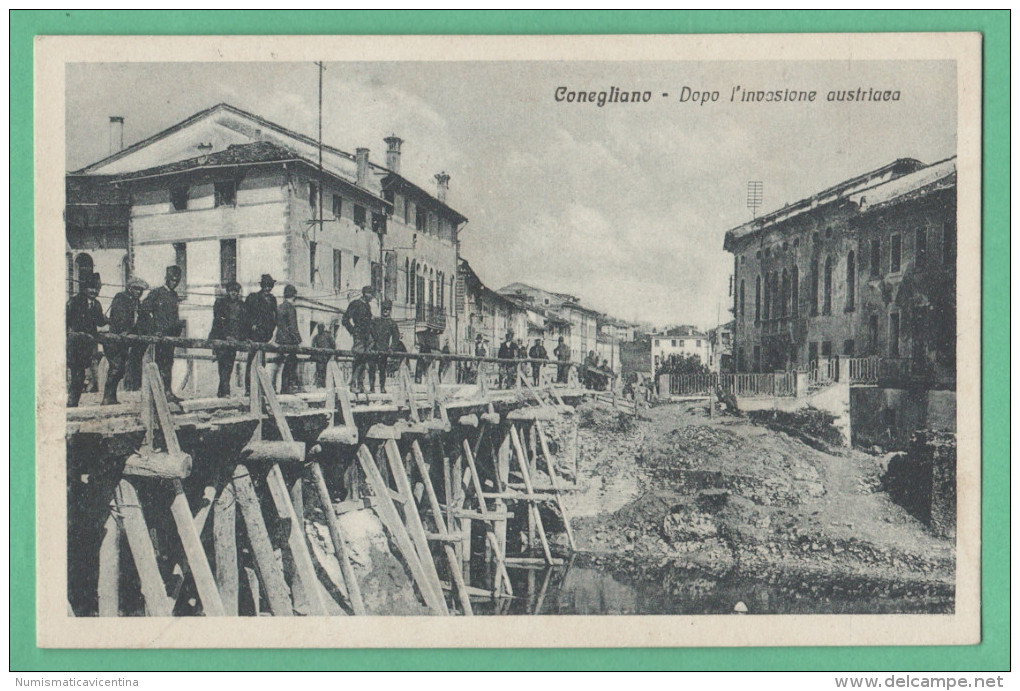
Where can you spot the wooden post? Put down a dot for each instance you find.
(532, 506)
(225, 548)
(339, 542)
(269, 571)
(198, 564)
(109, 567)
(489, 528)
(157, 604)
(555, 484)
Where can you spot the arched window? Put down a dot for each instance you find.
(412, 279)
(766, 311)
(83, 266)
(795, 292)
(814, 287)
(742, 312)
(851, 281)
(784, 294)
(407, 281)
(757, 298)
(827, 309)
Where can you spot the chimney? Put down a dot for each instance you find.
(116, 133)
(442, 186)
(361, 157)
(393, 143)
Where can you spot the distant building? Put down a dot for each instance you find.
(721, 342)
(483, 312)
(864, 268)
(684, 341)
(583, 332)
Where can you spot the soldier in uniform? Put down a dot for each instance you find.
(260, 314)
(287, 333)
(507, 351)
(358, 322)
(537, 352)
(123, 320)
(228, 325)
(562, 353)
(84, 317)
(385, 337)
(163, 319)
(323, 338)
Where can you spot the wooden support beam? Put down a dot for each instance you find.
(157, 604)
(198, 563)
(339, 542)
(270, 572)
(487, 516)
(522, 463)
(108, 590)
(551, 467)
(225, 549)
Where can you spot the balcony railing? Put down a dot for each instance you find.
(432, 316)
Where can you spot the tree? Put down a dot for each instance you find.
(682, 364)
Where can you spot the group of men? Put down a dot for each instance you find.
(374, 338)
(510, 349)
(156, 315)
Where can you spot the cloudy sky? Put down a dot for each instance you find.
(624, 205)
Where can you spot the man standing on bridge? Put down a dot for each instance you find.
(562, 353)
(160, 307)
(358, 322)
(385, 337)
(287, 334)
(123, 317)
(537, 352)
(84, 317)
(260, 314)
(507, 351)
(323, 338)
(228, 324)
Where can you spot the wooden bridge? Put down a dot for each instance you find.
(201, 508)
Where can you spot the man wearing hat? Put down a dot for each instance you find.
(228, 325)
(508, 351)
(260, 316)
(287, 333)
(323, 338)
(385, 337)
(358, 322)
(163, 319)
(562, 353)
(84, 317)
(123, 320)
(537, 352)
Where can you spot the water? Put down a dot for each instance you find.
(590, 590)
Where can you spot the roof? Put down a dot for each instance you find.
(239, 155)
(834, 194)
(475, 283)
(401, 184)
(937, 176)
(340, 164)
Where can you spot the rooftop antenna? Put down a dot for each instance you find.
(318, 221)
(755, 195)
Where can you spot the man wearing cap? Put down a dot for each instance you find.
(358, 322)
(228, 325)
(287, 334)
(508, 351)
(562, 353)
(537, 352)
(163, 319)
(84, 317)
(123, 320)
(323, 338)
(260, 317)
(385, 337)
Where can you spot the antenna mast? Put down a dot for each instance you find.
(755, 196)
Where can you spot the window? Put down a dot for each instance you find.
(757, 298)
(827, 307)
(359, 216)
(876, 258)
(795, 292)
(377, 277)
(225, 193)
(741, 311)
(313, 194)
(412, 283)
(337, 271)
(228, 261)
(826, 349)
(181, 259)
(894, 253)
(920, 247)
(420, 219)
(179, 198)
(784, 294)
(894, 334)
(407, 211)
(949, 241)
(813, 351)
(814, 288)
(848, 347)
(873, 333)
(378, 223)
(757, 358)
(338, 205)
(673, 343)
(390, 284)
(851, 281)
(766, 308)
(313, 248)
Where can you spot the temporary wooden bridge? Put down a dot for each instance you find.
(155, 490)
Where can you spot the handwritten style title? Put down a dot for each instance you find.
(737, 94)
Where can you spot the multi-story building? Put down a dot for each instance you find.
(583, 327)
(864, 268)
(683, 341)
(483, 312)
(227, 195)
(721, 341)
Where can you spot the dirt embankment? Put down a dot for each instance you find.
(677, 490)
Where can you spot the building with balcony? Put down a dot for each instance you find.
(866, 268)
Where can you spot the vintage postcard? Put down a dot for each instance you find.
(508, 341)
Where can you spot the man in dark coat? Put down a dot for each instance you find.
(562, 353)
(537, 352)
(507, 351)
(385, 337)
(228, 325)
(260, 315)
(323, 338)
(358, 322)
(123, 320)
(287, 333)
(163, 319)
(84, 317)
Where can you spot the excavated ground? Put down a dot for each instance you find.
(689, 505)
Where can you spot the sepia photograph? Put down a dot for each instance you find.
(508, 341)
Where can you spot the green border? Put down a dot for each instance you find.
(991, 654)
